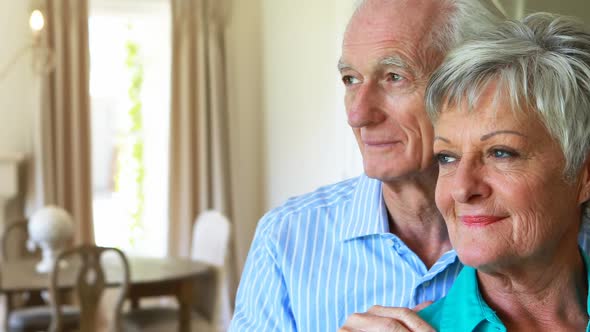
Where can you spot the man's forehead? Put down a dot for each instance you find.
(391, 19)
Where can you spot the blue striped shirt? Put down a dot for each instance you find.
(326, 255)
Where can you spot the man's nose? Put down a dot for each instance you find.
(469, 184)
(366, 106)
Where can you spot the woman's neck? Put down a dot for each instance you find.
(551, 296)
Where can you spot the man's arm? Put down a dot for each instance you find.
(383, 319)
(262, 301)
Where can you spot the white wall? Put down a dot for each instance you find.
(18, 88)
(306, 139)
(578, 8)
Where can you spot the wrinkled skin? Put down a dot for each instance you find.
(504, 164)
(385, 68)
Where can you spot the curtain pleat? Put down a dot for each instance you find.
(65, 116)
(199, 143)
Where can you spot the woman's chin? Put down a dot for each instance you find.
(476, 258)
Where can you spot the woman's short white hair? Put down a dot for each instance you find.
(542, 62)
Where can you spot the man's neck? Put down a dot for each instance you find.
(414, 218)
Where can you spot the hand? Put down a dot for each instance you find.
(387, 319)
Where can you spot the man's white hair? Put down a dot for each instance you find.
(459, 20)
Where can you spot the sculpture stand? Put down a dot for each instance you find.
(48, 257)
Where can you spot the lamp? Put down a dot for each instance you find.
(42, 55)
(36, 21)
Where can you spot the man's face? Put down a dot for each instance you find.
(385, 67)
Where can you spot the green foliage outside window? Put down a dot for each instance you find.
(130, 174)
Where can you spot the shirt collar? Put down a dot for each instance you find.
(367, 215)
(465, 308)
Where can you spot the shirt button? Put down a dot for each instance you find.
(390, 242)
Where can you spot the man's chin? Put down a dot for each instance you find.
(395, 174)
(387, 175)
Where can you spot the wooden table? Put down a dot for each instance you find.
(149, 277)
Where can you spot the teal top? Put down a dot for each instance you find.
(464, 309)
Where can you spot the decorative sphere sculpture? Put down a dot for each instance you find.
(50, 228)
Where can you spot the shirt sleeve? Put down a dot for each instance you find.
(262, 300)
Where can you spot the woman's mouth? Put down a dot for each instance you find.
(480, 220)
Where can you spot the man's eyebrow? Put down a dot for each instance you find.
(494, 133)
(442, 139)
(394, 60)
(343, 66)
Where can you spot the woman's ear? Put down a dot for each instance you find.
(584, 194)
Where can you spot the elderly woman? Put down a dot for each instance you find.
(511, 112)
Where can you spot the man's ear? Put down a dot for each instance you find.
(584, 194)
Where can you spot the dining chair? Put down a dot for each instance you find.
(89, 287)
(13, 239)
(28, 310)
(210, 241)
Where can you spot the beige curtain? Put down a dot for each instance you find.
(65, 115)
(199, 150)
(199, 165)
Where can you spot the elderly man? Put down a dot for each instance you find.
(377, 239)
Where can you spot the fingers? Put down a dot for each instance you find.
(369, 322)
(422, 306)
(407, 317)
(386, 319)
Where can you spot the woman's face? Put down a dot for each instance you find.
(501, 188)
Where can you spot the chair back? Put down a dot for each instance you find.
(14, 240)
(90, 282)
(210, 238)
(14, 246)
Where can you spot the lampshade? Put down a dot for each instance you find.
(36, 20)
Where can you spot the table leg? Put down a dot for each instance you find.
(185, 301)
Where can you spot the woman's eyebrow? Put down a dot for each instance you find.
(499, 132)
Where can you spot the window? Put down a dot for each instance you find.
(130, 98)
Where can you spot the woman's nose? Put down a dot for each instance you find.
(469, 182)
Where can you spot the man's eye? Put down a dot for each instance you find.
(444, 159)
(394, 77)
(349, 80)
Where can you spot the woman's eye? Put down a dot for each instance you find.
(349, 80)
(444, 159)
(503, 153)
